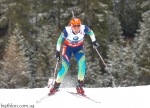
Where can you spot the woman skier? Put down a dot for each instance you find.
(72, 37)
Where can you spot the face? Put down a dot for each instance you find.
(76, 28)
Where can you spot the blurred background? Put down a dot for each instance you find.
(29, 30)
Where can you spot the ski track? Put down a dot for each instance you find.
(121, 97)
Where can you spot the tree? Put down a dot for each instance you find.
(93, 69)
(142, 46)
(129, 14)
(115, 46)
(16, 12)
(14, 74)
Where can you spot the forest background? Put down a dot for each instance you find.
(29, 30)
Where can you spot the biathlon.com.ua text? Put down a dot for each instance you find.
(10, 105)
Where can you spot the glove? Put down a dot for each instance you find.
(95, 44)
(57, 55)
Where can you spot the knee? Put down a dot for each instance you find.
(81, 61)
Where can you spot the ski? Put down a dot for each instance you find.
(46, 96)
(38, 101)
(83, 95)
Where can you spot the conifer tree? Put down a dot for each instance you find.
(3, 20)
(142, 46)
(93, 69)
(121, 60)
(125, 62)
(14, 70)
(129, 14)
(115, 46)
(128, 74)
(16, 12)
(45, 56)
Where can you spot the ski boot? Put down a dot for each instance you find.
(55, 88)
(79, 87)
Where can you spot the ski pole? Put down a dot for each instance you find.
(55, 69)
(52, 80)
(106, 67)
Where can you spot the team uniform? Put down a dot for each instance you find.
(72, 38)
(73, 43)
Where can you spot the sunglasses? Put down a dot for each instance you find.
(75, 26)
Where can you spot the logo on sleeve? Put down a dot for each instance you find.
(62, 33)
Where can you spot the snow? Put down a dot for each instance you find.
(121, 97)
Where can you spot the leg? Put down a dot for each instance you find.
(80, 57)
(60, 75)
(66, 55)
(64, 68)
(81, 68)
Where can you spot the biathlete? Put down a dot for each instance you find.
(72, 37)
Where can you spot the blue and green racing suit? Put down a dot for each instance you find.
(73, 43)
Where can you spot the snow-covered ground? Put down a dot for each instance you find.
(122, 97)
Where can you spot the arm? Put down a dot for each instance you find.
(88, 31)
(59, 42)
(61, 39)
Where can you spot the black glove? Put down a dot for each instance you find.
(57, 55)
(95, 44)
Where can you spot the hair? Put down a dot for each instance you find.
(69, 24)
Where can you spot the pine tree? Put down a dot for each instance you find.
(14, 66)
(125, 62)
(45, 56)
(121, 60)
(93, 69)
(45, 25)
(16, 12)
(28, 15)
(129, 14)
(114, 45)
(3, 19)
(128, 74)
(142, 47)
